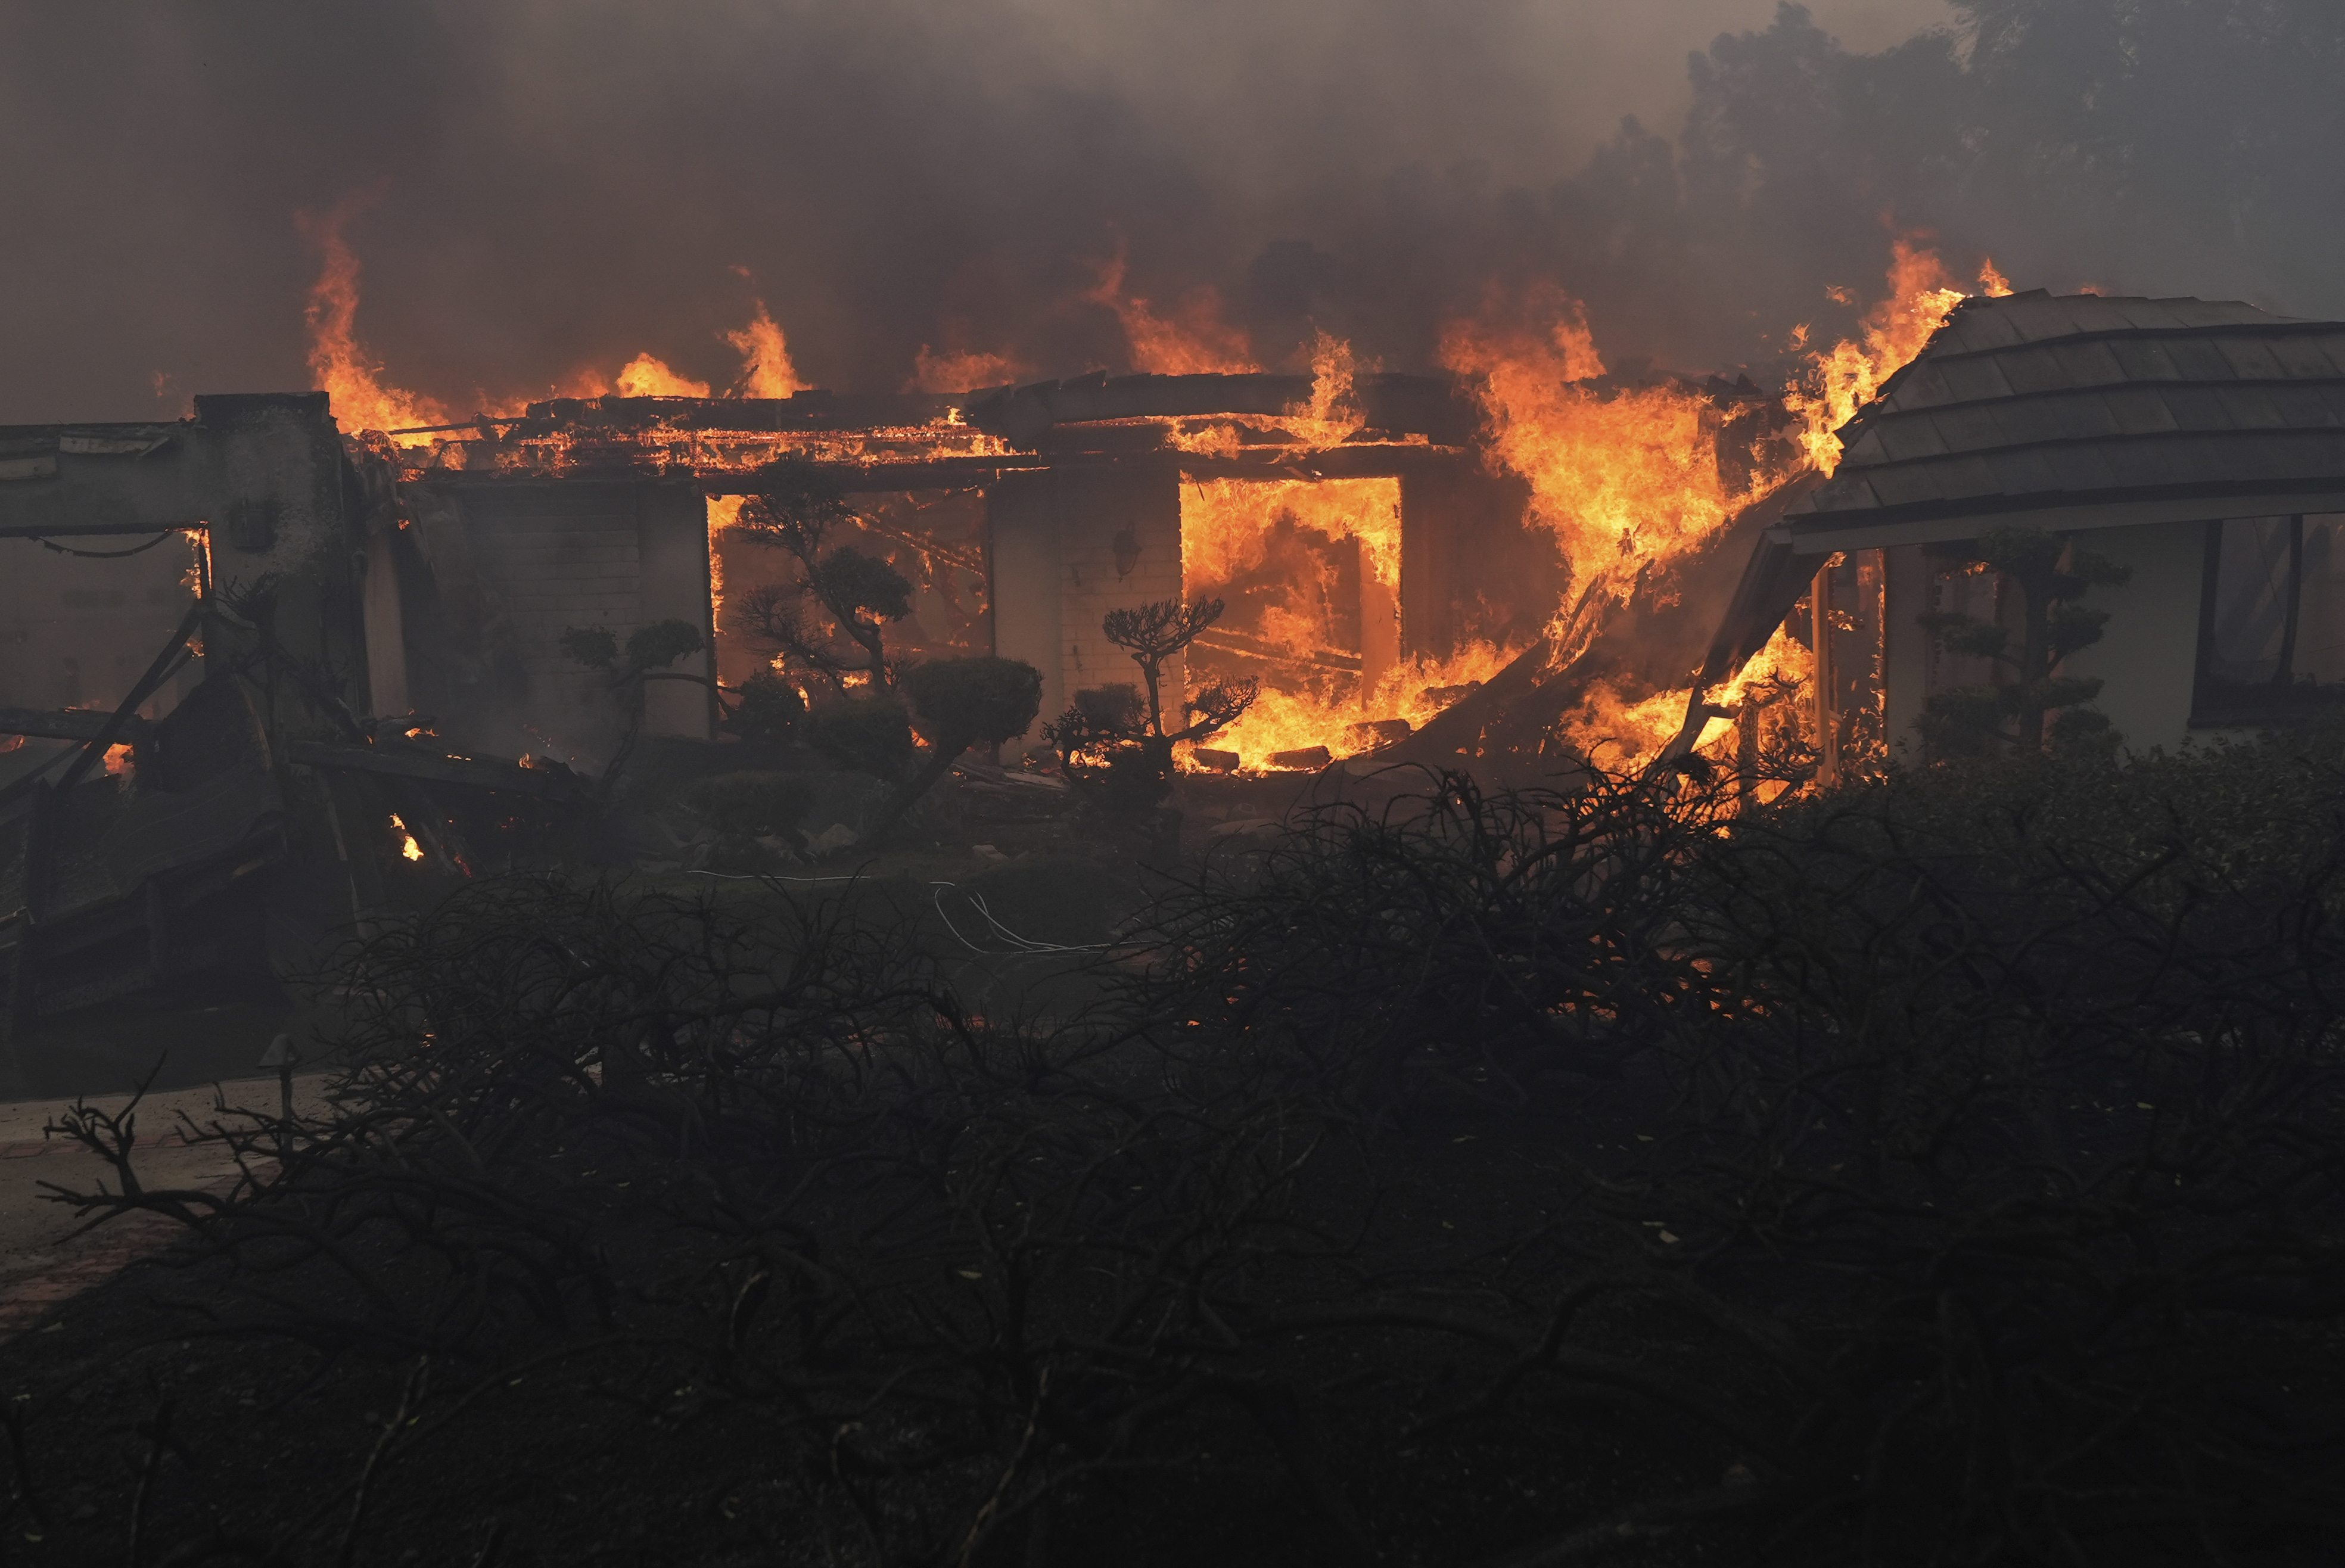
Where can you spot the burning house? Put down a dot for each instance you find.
(363, 624)
(1521, 564)
(2199, 446)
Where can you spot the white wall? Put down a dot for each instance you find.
(79, 633)
(2148, 653)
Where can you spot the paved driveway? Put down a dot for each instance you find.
(46, 1258)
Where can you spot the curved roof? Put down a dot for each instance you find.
(2085, 411)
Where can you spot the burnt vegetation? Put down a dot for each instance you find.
(1938, 1171)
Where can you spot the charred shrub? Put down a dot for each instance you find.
(1940, 1171)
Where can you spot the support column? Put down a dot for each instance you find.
(1826, 711)
(1136, 502)
(1433, 507)
(1905, 648)
(1380, 635)
(385, 631)
(1022, 585)
(1054, 570)
(672, 548)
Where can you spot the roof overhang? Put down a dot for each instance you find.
(1822, 535)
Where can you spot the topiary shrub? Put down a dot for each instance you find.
(868, 735)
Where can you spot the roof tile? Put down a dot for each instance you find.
(2251, 409)
(2088, 364)
(2300, 406)
(1902, 439)
(2199, 360)
(2300, 354)
(1900, 486)
(2250, 357)
(2038, 320)
(2139, 411)
(2025, 471)
(1987, 329)
(2195, 408)
(1968, 428)
(2033, 370)
(1866, 448)
(2145, 361)
(1924, 389)
(1976, 380)
(2080, 467)
(2137, 464)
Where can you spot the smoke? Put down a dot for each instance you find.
(565, 184)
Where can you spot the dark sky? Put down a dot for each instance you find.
(562, 183)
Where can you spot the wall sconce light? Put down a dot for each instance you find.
(1127, 553)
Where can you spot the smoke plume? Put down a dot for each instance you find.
(914, 189)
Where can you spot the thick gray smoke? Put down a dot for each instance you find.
(562, 183)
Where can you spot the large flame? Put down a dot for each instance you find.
(1270, 544)
(766, 368)
(1194, 341)
(1851, 373)
(646, 376)
(1630, 480)
(1625, 477)
(351, 382)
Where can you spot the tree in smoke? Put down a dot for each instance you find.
(1112, 739)
(856, 594)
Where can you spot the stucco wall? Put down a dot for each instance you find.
(1054, 577)
(2147, 655)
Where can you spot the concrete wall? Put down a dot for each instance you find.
(548, 557)
(76, 633)
(1022, 527)
(2148, 653)
(266, 474)
(1054, 572)
(672, 547)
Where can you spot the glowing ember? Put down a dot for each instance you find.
(117, 759)
(408, 847)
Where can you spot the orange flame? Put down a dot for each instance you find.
(1314, 693)
(647, 376)
(1625, 478)
(407, 848)
(1415, 690)
(351, 380)
(1225, 523)
(766, 368)
(1195, 341)
(963, 370)
(1846, 377)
